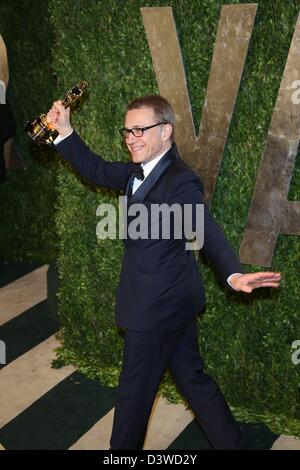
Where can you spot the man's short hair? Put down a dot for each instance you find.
(161, 107)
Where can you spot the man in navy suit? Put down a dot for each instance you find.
(160, 290)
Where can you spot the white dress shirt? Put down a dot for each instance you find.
(147, 168)
(59, 138)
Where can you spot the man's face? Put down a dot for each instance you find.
(152, 143)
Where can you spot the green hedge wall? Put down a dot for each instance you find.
(27, 198)
(246, 341)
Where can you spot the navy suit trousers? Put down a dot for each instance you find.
(146, 356)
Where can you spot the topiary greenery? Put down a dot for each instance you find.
(246, 341)
(28, 196)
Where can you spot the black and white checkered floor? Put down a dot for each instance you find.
(46, 408)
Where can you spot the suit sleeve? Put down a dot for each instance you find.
(216, 247)
(92, 166)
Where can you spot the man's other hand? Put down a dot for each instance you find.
(250, 281)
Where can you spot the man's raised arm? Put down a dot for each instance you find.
(88, 164)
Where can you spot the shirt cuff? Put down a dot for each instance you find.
(2, 92)
(59, 138)
(231, 275)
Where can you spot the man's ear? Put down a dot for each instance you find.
(167, 132)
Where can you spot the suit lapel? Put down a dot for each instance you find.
(128, 190)
(155, 174)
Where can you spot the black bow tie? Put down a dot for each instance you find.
(137, 171)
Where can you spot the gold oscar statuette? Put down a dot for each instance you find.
(40, 130)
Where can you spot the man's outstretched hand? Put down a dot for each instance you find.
(248, 282)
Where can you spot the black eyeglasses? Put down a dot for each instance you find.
(137, 131)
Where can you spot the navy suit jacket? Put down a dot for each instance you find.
(160, 285)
